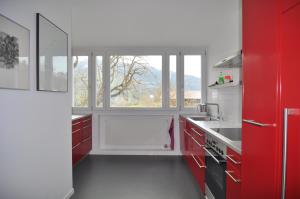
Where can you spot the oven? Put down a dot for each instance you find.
(215, 174)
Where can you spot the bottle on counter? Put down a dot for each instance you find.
(221, 78)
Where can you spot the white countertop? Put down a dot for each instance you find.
(74, 117)
(208, 125)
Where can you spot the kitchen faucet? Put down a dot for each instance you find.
(218, 109)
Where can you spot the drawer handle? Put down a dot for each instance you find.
(76, 123)
(200, 166)
(232, 178)
(232, 160)
(185, 131)
(201, 145)
(193, 129)
(76, 131)
(258, 123)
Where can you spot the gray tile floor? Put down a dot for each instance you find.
(134, 177)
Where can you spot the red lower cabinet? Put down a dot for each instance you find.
(81, 138)
(198, 169)
(192, 140)
(233, 172)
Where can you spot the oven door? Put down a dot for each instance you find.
(215, 173)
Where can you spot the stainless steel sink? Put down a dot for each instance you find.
(205, 118)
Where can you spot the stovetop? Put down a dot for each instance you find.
(233, 134)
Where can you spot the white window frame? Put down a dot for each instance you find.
(165, 53)
(203, 53)
(89, 55)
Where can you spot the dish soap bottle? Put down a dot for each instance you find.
(221, 78)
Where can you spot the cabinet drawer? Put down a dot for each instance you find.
(86, 145)
(198, 150)
(234, 170)
(233, 158)
(198, 170)
(76, 137)
(197, 134)
(87, 121)
(76, 125)
(86, 132)
(76, 154)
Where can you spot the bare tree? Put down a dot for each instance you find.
(125, 73)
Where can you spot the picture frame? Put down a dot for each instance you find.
(14, 55)
(52, 56)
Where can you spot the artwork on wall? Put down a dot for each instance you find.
(52, 56)
(14, 55)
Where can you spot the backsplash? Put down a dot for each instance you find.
(230, 98)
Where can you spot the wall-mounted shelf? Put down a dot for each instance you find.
(226, 85)
(234, 61)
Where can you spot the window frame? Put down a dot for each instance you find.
(142, 51)
(203, 53)
(96, 53)
(89, 55)
(136, 52)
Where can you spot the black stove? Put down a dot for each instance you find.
(234, 134)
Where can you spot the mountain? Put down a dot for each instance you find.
(154, 77)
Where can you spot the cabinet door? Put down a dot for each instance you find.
(233, 178)
(260, 99)
(286, 4)
(233, 186)
(199, 172)
(291, 96)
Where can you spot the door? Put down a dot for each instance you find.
(260, 144)
(286, 4)
(291, 97)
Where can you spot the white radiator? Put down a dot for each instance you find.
(135, 132)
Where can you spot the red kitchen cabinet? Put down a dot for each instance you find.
(193, 141)
(290, 47)
(233, 172)
(81, 138)
(288, 4)
(261, 131)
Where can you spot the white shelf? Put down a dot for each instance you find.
(226, 85)
(234, 61)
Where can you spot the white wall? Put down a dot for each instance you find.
(167, 23)
(35, 127)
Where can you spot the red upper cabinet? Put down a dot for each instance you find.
(286, 4)
(261, 58)
(291, 96)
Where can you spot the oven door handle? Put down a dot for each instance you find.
(209, 153)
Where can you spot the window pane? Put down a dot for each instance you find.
(80, 81)
(192, 80)
(173, 82)
(136, 81)
(99, 81)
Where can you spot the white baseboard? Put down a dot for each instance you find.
(135, 152)
(69, 194)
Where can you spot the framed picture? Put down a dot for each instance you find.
(14, 55)
(52, 56)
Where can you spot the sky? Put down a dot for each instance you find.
(192, 63)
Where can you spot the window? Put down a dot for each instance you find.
(136, 81)
(192, 80)
(99, 81)
(80, 81)
(172, 81)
